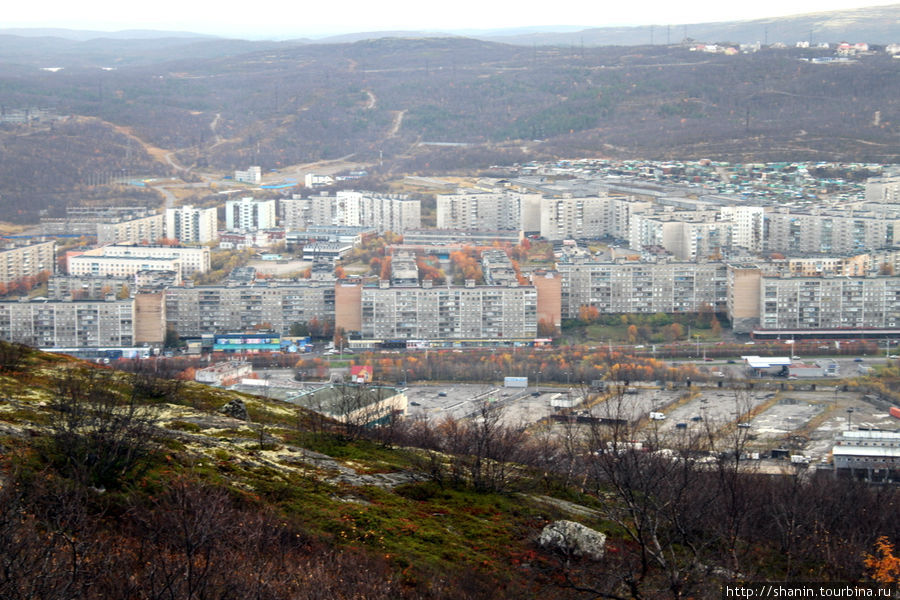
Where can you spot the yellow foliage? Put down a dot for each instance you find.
(885, 567)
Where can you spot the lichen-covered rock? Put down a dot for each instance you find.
(574, 539)
(235, 409)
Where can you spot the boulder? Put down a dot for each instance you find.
(573, 539)
(235, 409)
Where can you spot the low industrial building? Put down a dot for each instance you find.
(356, 404)
(223, 374)
(871, 455)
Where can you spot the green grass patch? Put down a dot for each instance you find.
(373, 457)
(185, 426)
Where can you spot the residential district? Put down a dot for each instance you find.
(774, 247)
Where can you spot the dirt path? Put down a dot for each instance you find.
(373, 101)
(398, 121)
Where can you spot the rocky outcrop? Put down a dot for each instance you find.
(235, 409)
(573, 539)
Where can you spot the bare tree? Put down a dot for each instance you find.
(98, 434)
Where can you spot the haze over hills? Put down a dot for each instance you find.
(875, 25)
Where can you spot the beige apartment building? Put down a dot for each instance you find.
(27, 261)
(140, 230)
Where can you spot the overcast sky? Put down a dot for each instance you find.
(280, 19)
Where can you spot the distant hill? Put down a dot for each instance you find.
(875, 25)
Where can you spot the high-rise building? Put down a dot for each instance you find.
(248, 214)
(191, 225)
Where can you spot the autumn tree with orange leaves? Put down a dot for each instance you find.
(884, 566)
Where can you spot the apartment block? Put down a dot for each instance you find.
(383, 212)
(251, 175)
(830, 233)
(885, 189)
(193, 311)
(193, 259)
(68, 324)
(248, 214)
(748, 226)
(26, 261)
(139, 230)
(574, 218)
(642, 287)
(191, 225)
(829, 303)
(479, 210)
(686, 235)
(85, 287)
(150, 317)
(95, 265)
(449, 312)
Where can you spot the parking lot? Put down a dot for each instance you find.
(774, 415)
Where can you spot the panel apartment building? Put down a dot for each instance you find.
(193, 259)
(68, 324)
(470, 312)
(773, 301)
(27, 261)
(832, 232)
(498, 210)
(383, 212)
(642, 287)
(194, 311)
(248, 214)
(138, 230)
(191, 225)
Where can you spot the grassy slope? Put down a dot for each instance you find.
(422, 530)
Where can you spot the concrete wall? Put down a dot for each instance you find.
(348, 306)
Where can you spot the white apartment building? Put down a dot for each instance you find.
(68, 324)
(884, 189)
(381, 212)
(251, 175)
(687, 235)
(97, 265)
(574, 218)
(140, 230)
(748, 226)
(248, 214)
(193, 259)
(831, 232)
(191, 225)
(498, 210)
(27, 261)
